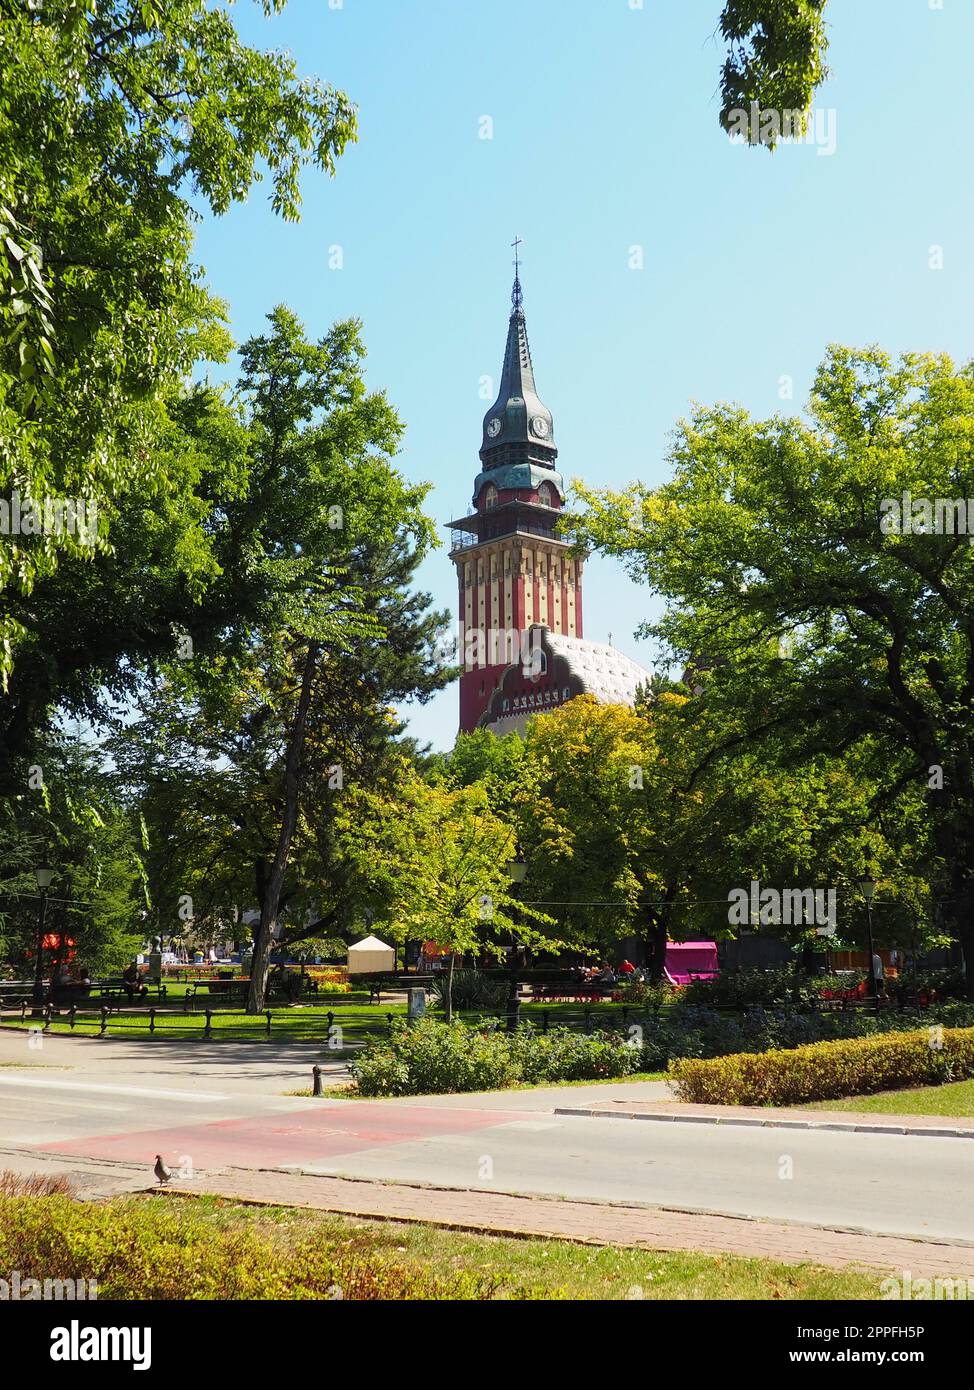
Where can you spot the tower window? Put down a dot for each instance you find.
(490, 497)
(544, 495)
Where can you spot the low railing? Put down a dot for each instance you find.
(328, 1027)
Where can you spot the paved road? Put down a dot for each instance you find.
(222, 1106)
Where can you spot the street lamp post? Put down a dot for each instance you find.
(867, 886)
(44, 877)
(517, 869)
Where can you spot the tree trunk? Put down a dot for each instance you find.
(964, 929)
(270, 905)
(448, 997)
(656, 938)
(657, 935)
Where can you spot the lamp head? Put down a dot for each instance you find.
(44, 877)
(867, 886)
(517, 868)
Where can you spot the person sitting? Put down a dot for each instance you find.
(133, 983)
(627, 968)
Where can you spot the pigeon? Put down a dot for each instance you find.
(160, 1170)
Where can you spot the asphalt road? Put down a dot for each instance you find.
(218, 1106)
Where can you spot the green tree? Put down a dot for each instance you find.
(117, 118)
(775, 59)
(261, 731)
(830, 612)
(70, 821)
(435, 861)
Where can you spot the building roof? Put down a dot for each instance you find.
(572, 667)
(608, 674)
(527, 476)
(518, 415)
(370, 943)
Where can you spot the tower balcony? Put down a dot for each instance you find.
(510, 519)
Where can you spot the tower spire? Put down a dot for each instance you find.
(517, 297)
(518, 418)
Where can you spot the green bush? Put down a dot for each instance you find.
(562, 1055)
(435, 1058)
(783, 986)
(827, 1070)
(432, 1058)
(134, 1250)
(472, 989)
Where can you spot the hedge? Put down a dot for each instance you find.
(828, 1070)
(133, 1249)
(433, 1058)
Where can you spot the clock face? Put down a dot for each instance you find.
(540, 426)
(493, 427)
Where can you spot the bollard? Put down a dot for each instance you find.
(544, 1020)
(71, 1013)
(152, 1020)
(208, 1027)
(267, 1013)
(104, 1019)
(588, 1020)
(316, 1083)
(48, 1012)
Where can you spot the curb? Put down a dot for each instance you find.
(752, 1122)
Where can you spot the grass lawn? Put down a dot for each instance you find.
(956, 1098)
(300, 1023)
(546, 1268)
(357, 1019)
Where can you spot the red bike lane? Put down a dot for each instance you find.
(304, 1137)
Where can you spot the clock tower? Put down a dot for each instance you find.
(516, 577)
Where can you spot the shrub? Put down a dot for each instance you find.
(828, 1070)
(472, 989)
(434, 1058)
(136, 1250)
(636, 991)
(562, 1055)
(786, 985)
(34, 1184)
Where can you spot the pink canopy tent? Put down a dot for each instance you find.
(690, 960)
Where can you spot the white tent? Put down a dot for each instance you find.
(370, 955)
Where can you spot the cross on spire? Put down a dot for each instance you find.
(517, 298)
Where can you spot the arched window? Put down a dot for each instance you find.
(544, 495)
(490, 497)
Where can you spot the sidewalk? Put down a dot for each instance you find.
(765, 1117)
(649, 1228)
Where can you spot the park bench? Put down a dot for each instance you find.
(379, 984)
(116, 990)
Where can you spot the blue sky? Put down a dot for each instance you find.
(605, 137)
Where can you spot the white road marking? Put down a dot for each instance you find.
(76, 1105)
(194, 1097)
(531, 1126)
